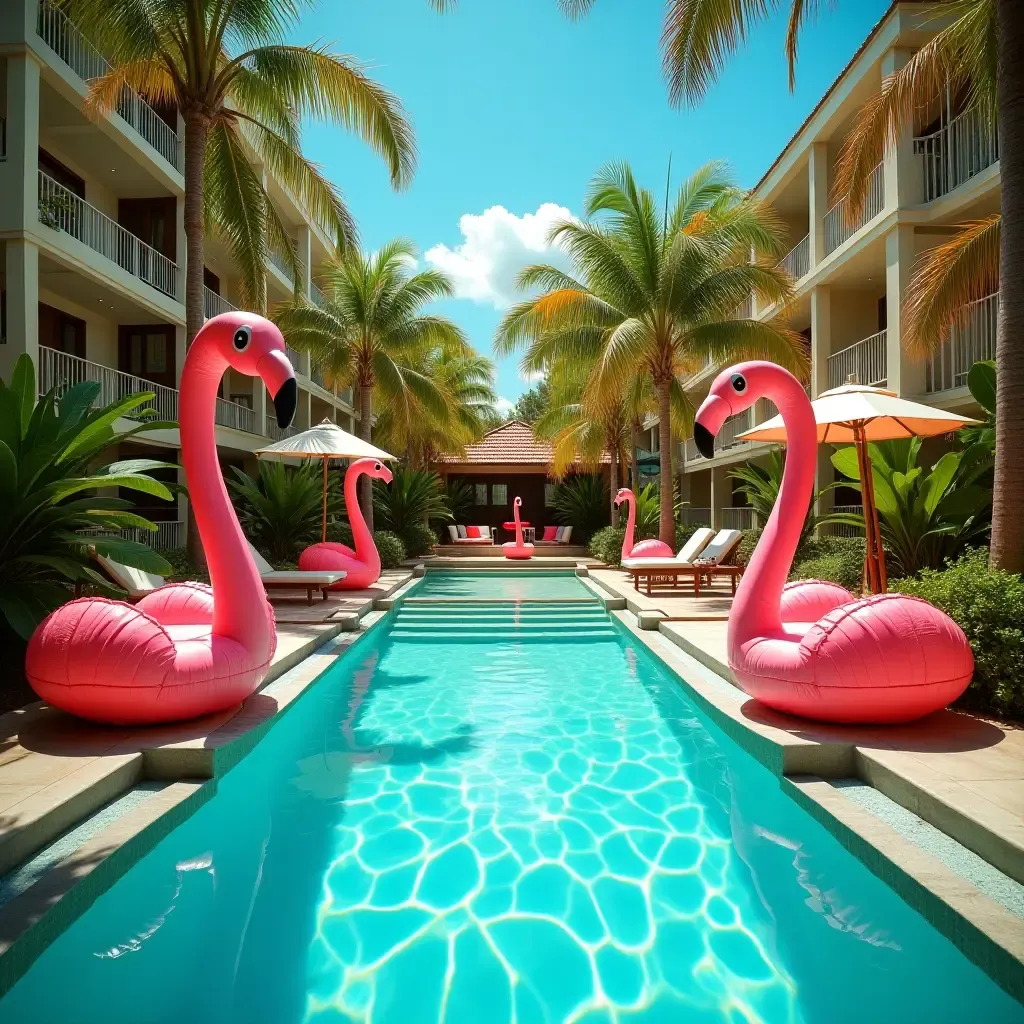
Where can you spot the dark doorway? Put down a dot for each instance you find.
(147, 351)
(61, 331)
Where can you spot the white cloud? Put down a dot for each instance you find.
(497, 245)
(504, 406)
(531, 377)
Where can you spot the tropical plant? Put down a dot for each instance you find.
(371, 333)
(460, 500)
(981, 382)
(52, 494)
(533, 404)
(281, 510)
(988, 605)
(654, 295)
(761, 485)
(408, 504)
(582, 503)
(838, 559)
(926, 515)
(389, 545)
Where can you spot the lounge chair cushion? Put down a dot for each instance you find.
(550, 533)
(473, 532)
(453, 533)
(559, 534)
(566, 535)
(485, 532)
(300, 577)
(137, 582)
(695, 545)
(724, 544)
(462, 532)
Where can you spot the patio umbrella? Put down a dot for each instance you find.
(325, 441)
(857, 413)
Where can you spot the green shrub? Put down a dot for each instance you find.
(183, 568)
(837, 559)
(339, 532)
(606, 544)
(747, 545)
(582, 502)
(418, 539)
(390, 548)
(988, 604)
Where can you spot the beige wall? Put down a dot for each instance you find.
(854, 316)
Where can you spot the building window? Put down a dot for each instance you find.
(481, 494)
(499, 494)
(549, 495)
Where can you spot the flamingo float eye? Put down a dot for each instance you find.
(739, 383)
(242, 338)
(376, 465)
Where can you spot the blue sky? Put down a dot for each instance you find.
(515, 108)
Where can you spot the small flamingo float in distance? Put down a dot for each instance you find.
(186, 649)
(886, 658)
(362, 566)
(646, 548)
(517, 549)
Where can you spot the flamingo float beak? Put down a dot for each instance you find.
(278, 375)
(386, 475)
(714, 411)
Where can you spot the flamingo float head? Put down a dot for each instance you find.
(253, 345)
(518, 502)
(373, 468)
(733, 391)
(623, 494)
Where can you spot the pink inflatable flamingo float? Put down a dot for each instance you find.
(516, 548)
(811, 648)
(363, 564)
(186, 649)
(646, 548)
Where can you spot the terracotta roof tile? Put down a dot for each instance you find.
(511, 443)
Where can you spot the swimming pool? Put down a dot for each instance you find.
(525, 830)
(505, 585)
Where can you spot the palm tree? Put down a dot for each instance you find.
(978, 51)
(654, 295)
(467, 383)
(370, 333)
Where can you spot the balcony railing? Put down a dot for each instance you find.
(837, 230)
(231, 414)
(866, 360)
(168, 536)
(971, 339)
(214, 304)
(957, 152)
(726, 437)
(797, 261)
(316, 295)
(276, 433)
(67, 42)
(691, 516)
(62, 370)
(296, 358)
(281, 263)
(739, 518)
(847, 529)
(62, 210)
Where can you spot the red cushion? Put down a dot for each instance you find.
(473, 531)
(549, 532)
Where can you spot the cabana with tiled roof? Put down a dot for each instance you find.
(506, 462)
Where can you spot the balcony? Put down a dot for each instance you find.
(168, 536)
(847, 529)
(797, 262)
(281, 264)
(973, 338)
(865, 361)
(957, 152)
(63, 37)
(691, 516)
(316, 295)
(214, 304)
(276, 433)
(63, 370)
(739, 518)
(62, 210)
(238, 417)
(837, 229)
(726, 437)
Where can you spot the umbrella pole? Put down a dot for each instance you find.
(323, 528)
(879, 549)
(870, 521)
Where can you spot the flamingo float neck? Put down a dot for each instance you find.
(240, 608)
(627, 541)
(519, 527)
(756, 609)
(361, 538)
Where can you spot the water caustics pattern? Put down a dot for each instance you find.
(539, 829)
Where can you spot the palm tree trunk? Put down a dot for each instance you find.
(1007, 551)
(613, 449)
(634, 442)
(365, 424)
(197, 130)
(667, 526)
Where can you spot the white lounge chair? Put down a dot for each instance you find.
(458, 535)
(294, 579)
(692, 549)
(562, 536)
(137, 582)
(708, 563)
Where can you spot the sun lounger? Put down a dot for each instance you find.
(692, 549)
(294, 579)
(137, 582)
(709, 563)
(562, 535)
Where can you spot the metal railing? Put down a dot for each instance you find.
(691, 516)
(62, 370)
(837, 229)
(972, 338)
(866, 360)
(214, 304)
(739, 518)
(168, 536)
(296, 358)
(66, 40)
(347, 395)
(276, 433)
(744, 311)
(726, 437)
(847, 529)
(316, 295)
(279, 261)
(62, 210)
(231, 414)
(957, 152)
(797, 261)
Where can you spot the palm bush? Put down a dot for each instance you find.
(281, 510)
(836, 559)
(460, 500)
(582, 503)
(926, 515)
(407, 506)
(51, 491)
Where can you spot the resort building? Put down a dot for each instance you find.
(851, 279)
(92, 272)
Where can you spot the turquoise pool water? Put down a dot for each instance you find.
(526, 831)
(507, 585)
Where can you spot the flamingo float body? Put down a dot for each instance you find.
(516, 548)
(646, 548)
(811, 648)
(363, 564)
(187, 649)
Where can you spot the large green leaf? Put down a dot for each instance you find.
(938, 480)
(25, 605)
(133, 554)
(23, 386)
(100, 423)
(75, 404)
(981, 381)
(10, 419)
(8, 475)
(845, 460)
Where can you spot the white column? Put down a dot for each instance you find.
(818, 200)
(304, 412)
(903, 180)
(905, 376)
(721, 495)
(19, 173)
(22, 262)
